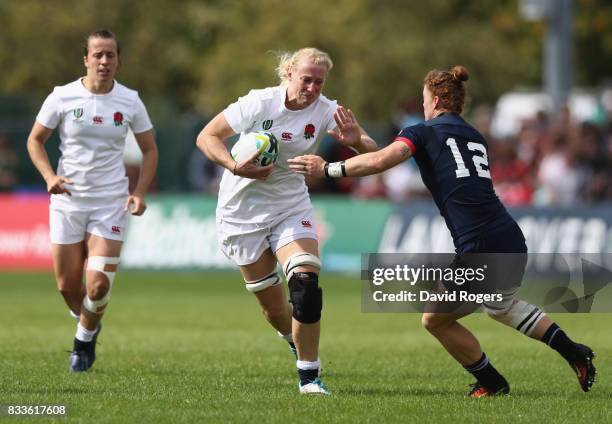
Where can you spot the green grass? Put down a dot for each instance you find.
(193, 347)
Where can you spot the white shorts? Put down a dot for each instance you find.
(245, 243)
(69, 225)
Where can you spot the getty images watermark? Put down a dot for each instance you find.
(447, 276)
(463, 283)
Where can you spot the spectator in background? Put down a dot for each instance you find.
(532, 139)
(201, 174)
(558, 177)
(602, 187)
(8, 164)
(402, 182)
(409, 112)
(204, 175)
(593, 156)
(330, 148)
(509, 168)
(481, 119)
(510, 174)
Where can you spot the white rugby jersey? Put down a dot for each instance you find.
(299, 132)
(92, 130)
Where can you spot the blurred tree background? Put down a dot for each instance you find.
(189, 59)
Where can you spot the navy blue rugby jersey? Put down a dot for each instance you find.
(453, 160)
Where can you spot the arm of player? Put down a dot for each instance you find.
(349, 133)
(358, 166)
(36, 149)
(211, 141)
(135, 202)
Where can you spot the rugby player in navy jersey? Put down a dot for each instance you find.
(453, 160)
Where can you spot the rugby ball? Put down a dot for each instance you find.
(265, 143)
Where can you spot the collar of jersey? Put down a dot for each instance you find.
(86, 91)
(283, 108)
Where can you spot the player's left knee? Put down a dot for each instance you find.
(431, 322)
(99, 290)
(306, 297)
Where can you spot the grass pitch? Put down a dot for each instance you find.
(193, 347)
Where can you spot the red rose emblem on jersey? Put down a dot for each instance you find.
(309, 131)
(118, 118)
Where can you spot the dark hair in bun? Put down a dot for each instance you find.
(460, 73)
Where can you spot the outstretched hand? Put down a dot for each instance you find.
(347, 130)
(247, 169)
(309, 165)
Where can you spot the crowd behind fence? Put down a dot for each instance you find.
(550, 161)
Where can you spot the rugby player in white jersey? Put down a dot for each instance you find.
(90, 203)
(264, 214)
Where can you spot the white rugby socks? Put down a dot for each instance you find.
(83, 334)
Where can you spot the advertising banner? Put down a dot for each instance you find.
(24, 232)
(419, 228)
(179, 232)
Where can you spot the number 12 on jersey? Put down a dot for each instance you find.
(478, 160)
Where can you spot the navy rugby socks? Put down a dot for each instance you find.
(486, 374)
(81, 345)
(307, 376)
(308, 371)
(556, 338)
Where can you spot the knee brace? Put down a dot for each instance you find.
(306, 297)
(98, 263)
(520, 315)
(300, 259)
(263, 283)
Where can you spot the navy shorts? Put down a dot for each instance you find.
(501, 254)
(509, 239)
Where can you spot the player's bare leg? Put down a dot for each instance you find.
(68, 262)
(103, 260)
(533, 322)
(301, 265)
(272, 299)
(456, 339)
(464, 347)
(276, 308)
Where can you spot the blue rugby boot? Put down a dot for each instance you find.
(83, 354)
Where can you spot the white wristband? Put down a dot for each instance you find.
(335, 170)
